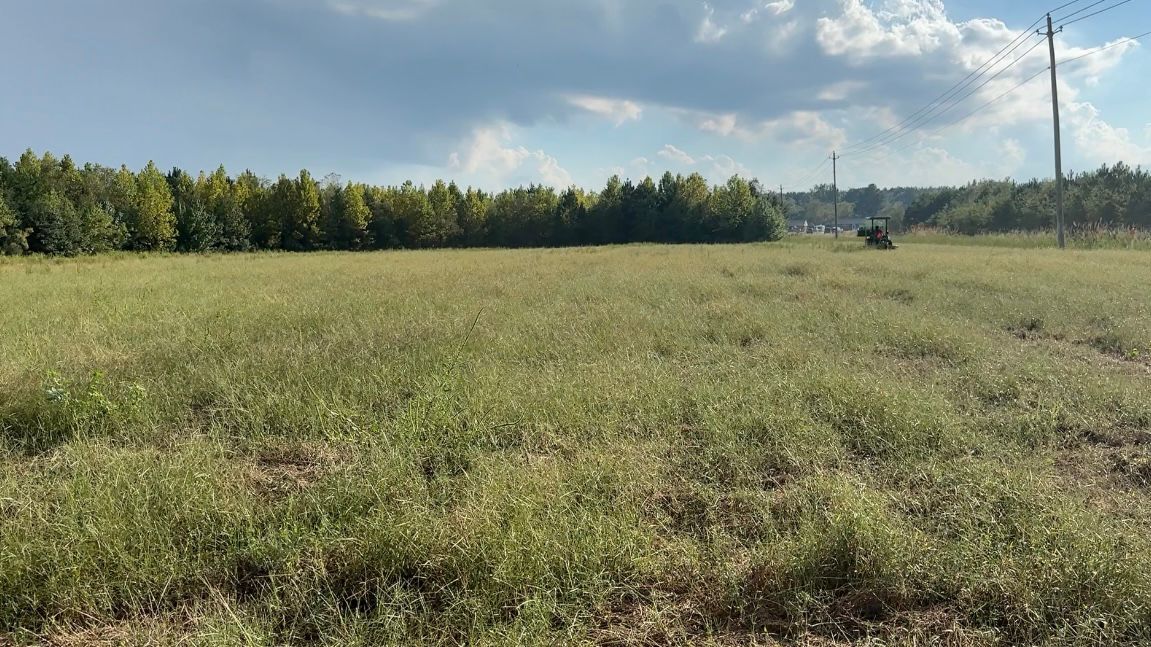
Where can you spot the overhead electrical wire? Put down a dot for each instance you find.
(1064, 6)
(1103, 10)
(799, 184)
(979, 109)
(1105, 47)
(1076, 13)
(918, 119)
(952, 106)
(923, 115)
(1024, 82)
(978, 72)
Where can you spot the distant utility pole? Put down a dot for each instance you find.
(782, 209)
(835, 190)
(1050, 34)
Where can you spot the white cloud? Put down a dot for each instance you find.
(801, 126)
(724, 166)
(1011, 156)
(775, 8)
(723, 125)
(1099, 141)
(489, 157)
(1091, 68)
(390, 10)
(900, 28)
(674, 154)
(617, 110)
(840, 91)
(708, 31)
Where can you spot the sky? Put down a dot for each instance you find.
(498, 93)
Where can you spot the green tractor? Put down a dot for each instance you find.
(878, 234)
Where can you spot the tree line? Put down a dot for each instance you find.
(1112, 197)
(50, 205)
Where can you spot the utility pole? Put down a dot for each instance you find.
(1050, 34)
(782, 208)
(835, 190)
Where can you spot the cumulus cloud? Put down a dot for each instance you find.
(404, 82)
(801, 126)
(674, 154)
(900, 28)
(490, 157)
(1100, 142)
(616, 110)
(724, 166)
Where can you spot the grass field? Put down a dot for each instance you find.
(799, 443)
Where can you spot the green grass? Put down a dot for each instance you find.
(1086, 238)
(632, 445)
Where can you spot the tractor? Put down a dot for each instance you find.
(878, 234)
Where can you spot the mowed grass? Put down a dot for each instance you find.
(637, 445)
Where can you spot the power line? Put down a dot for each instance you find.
(951, 107)
(1064, 6)
(978, 73)
(1022, 83)
(809, 176)
(1076, 13)
(976, 111)
(1106, 47)
(1103, 10)
(952, 100)
(994, 60)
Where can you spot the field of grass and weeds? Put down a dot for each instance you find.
(1082, 238)
(793, 443)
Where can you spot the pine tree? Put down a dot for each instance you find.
(436, 226)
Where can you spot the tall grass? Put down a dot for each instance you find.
(630, 445)
(1093, 236)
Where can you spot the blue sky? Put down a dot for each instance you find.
(502, 92)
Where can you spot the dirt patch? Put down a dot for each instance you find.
(171, 629)
(278, 471)
(1114, 457)
(900, 295)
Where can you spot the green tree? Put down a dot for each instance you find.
(765, 221)
(151, 222)
(438, 225)
(472, 217)
(604, 216)
(411, 207)
(196, 229)
(299, 204)
(868, 201)
(57, 227)
(348, 226)
(102, 232)
(13, 237)
(730, 206)
(643, 214)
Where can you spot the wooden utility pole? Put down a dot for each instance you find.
(835, 190)
(782, 208)
(1050, 34)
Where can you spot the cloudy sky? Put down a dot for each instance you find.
(501, 92)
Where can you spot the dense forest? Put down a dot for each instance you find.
(1116, 196)
(1111, 197)
(52, 206)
